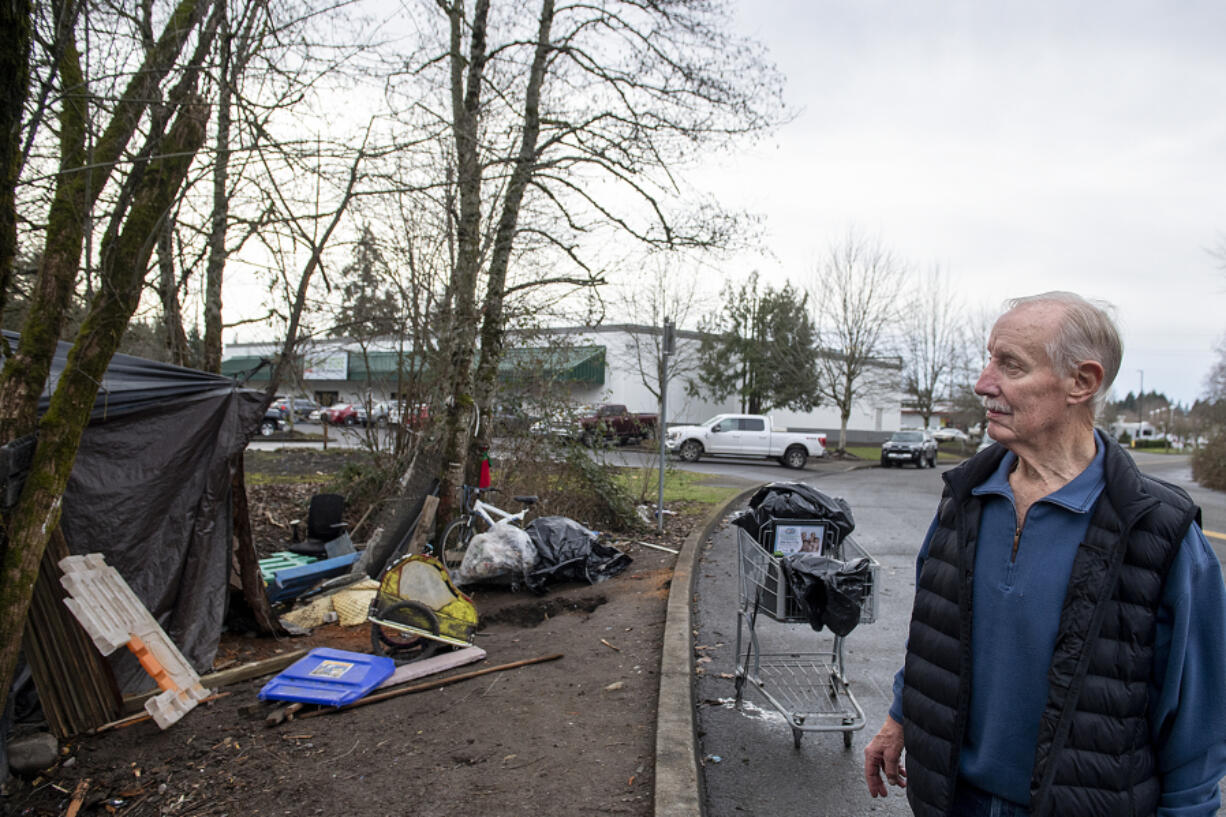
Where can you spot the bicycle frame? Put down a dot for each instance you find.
(488, 512)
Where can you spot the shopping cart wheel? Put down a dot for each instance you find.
(397, 643)
(740, 689)
(847, 740)
(796, 736)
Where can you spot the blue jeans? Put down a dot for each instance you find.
(972, 802)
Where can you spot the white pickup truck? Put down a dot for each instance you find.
(744, 435)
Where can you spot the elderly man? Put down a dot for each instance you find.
(1067, 649)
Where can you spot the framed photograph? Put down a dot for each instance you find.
(799, 537)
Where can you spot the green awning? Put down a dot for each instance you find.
(382, 365)
(572, 364)
(241, 367)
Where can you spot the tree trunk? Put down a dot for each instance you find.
(494, 313)
(16, 21)
(461, 336)
(59, 431)
(221, 210)
(254, 592)
(25, 371)
(168, 292)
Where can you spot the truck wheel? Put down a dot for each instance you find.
(690, 451)
(795, 457)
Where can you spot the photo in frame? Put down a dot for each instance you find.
(792, 537)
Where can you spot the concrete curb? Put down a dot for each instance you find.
(678, 792)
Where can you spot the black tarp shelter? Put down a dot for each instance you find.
(150, 491)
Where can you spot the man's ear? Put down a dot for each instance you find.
(1087, 377)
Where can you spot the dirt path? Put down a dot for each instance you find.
(551, 739)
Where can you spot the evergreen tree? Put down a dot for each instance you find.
(761, 347)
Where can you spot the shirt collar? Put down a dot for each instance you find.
(1079, 495)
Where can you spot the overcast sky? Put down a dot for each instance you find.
(1022, 146)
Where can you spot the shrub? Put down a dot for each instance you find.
(1209, 464)
(571, 482)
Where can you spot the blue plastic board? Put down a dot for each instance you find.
(294, 581)
(330, 677)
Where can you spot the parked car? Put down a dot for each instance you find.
(916, 447)
(271, 423)
(561, 423)
(392, 412)
(382, 413)
(613, 421)
(949, 434)
(344, 414)
(744, 435)
(417, 417)
(301, 407)
(510, 420)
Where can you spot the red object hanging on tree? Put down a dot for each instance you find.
(484, 480)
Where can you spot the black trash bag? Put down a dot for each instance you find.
(748, 521)
(796, 500)
(830, 592)
(567, 551)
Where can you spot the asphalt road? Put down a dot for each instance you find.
(749, 763)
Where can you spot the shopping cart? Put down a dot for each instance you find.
(809, 689)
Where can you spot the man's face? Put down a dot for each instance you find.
(1026, 399)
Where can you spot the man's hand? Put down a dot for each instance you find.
(884, 752)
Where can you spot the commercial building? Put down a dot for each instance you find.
(617, 363)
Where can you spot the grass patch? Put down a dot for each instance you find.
(679, 486)
(257, 478)
(865, 452)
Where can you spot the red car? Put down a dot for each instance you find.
(344, 414)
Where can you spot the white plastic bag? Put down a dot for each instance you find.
(503, 552)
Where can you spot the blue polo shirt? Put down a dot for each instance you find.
(1016, 610)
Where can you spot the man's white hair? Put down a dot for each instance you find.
(1087, 332)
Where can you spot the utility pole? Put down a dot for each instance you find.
(1140, 412)
(668, 347)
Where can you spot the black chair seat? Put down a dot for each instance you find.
(324, 523)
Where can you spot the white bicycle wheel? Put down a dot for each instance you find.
(455, 542)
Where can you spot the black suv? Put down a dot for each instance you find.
(302, 407)
(916, 447)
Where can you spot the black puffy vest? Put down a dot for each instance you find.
(1094, 754)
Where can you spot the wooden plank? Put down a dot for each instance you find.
(429, 666)
(435, 684)
(425, 524)
(246, 672)
(75, 684)
(225, 677)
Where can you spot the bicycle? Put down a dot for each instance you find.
(459, 533)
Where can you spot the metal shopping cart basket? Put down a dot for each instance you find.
(809, 689)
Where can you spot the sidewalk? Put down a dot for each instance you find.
(679, 784)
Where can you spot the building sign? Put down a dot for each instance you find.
(326, 366)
